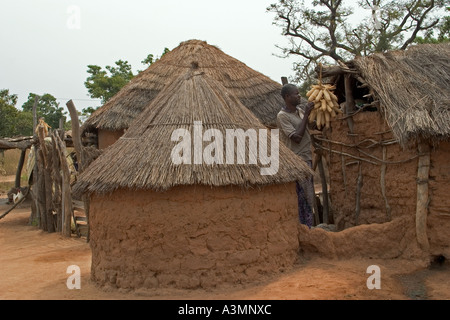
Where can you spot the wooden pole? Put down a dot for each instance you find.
(19, 168)
(35, 214)
(326, 210)
(40, 196)
(383, 185)
(423, 170)
(43, 147)
(49, 192)
(349, 100)
(359, 184)
(56, 182)
(76, 138)
(15, 204)
(284, 80)
(35, 119)
(65, 187)
(22, 143)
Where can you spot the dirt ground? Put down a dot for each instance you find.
(34, 264)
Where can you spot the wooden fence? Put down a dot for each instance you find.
(54, 169)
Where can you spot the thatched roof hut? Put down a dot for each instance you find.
(141, 158)
(257, 92)
(413, 89)
(159, 224)
(392, 163)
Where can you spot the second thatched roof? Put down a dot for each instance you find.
(413, 87)
(141, 158)
(257, 92)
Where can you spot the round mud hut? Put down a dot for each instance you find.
(187, 199)
(257, 92)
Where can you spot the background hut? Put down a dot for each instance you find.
(257, 92)
(388, 158)
(158, 224)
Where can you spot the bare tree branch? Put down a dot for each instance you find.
(419, 26)
(319, 30)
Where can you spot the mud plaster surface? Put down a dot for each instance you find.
(194, 236)
(34, 265)
(400, 182)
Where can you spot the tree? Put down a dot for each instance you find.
(104, 84)
(47, 107)
(8, 113)
(443, 29)
(322, 32)
(24, 123)
(150, 58)
(13, 121)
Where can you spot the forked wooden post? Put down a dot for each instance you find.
(76, 137)
(66, 201)
(19, 168)
(76, 133)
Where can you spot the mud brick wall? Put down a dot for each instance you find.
(400, 179)
(193, 236)
(107, 137)
(438, 220)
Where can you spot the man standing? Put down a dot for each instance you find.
(293, 122)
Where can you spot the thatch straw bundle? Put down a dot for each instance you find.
(141, 158)
(413, 88)
(257, 92)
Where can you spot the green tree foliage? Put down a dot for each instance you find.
(151, 58)
(24, 123)
(321, 31)
(105, 83)
(8, 113)
(47, 107)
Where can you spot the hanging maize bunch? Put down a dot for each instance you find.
(326, 105)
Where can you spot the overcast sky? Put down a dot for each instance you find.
(47, 44)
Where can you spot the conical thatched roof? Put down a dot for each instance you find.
(257, 92)
(413, 87)
(142, 157)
